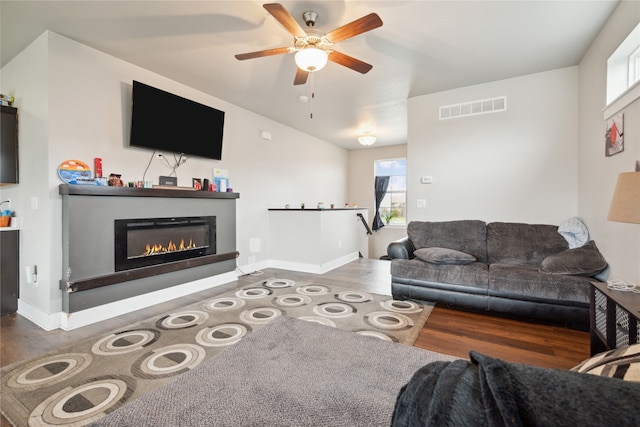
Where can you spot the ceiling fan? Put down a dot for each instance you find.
(312, 47)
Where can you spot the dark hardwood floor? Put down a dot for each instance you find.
(446, 331)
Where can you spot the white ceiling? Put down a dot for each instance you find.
(423, 47)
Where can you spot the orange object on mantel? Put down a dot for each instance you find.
(5, 221)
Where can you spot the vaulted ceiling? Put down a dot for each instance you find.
(423, 47)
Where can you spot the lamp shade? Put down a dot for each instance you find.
(311, 59)
(625, 204)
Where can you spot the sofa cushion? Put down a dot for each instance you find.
(522, 244)
(437, 255)
(622, 362)
(467, 236)
(574, 232)
(474, 275)
(528, 284)
(584, 261)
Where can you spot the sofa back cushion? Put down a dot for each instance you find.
(467, 236)
(522, 244)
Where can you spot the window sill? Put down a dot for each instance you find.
(626, 98)
(395, 226)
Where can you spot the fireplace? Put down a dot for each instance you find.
(152, 241)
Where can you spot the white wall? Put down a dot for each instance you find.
(520, 165)
(362, 191)
(619, 242)
(26, 77)
(85, 95)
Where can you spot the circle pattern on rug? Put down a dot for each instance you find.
(292, 300)
(221, 335)
(279, 283)
(334, 310)
(375, 334)
(85, 403)
(320, 320)
(182, 320)
(253, 293)
(125, 341)
(168, 361)
(388, 320)
(401, 306)
(312, 290)
(224, 304)
(354, 296)
(260, 315)
(50, 370)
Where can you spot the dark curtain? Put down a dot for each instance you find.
(382, 183)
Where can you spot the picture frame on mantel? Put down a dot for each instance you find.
(614, 135)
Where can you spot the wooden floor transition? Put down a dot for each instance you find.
(447, 331)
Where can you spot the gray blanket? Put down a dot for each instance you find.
(491, 392)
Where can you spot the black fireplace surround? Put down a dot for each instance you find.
(152, 241)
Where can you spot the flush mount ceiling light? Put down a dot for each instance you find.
(367, 139)
(311, 59)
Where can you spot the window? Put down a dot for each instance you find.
(634, 66)
(623, 66)
(393, 208)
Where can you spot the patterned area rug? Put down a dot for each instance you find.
(88, 381)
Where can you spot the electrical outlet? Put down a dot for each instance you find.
(254, 245)
(251, 260)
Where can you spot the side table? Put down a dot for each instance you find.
(615, 316)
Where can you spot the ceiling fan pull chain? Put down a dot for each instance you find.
(313, 95)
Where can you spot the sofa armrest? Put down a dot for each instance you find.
(402, 249)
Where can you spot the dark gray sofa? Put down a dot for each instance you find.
(521, 270)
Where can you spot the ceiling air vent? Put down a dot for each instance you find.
(472, 108)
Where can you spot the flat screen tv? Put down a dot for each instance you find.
(166, 122)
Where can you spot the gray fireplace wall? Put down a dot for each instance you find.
(88, 240)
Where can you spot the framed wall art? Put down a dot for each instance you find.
(614, 135)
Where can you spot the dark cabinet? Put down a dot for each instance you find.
(9, 145)
(615, 318)
(9, 277)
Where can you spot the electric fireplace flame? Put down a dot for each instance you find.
(158, 248)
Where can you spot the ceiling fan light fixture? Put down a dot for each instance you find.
(311, 59)
(367, 139)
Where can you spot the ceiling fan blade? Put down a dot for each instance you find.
(283, 17)
(301, 76)
(350, 62)
(359, 26)
(261, 53)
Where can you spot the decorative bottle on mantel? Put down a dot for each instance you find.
(320, 205)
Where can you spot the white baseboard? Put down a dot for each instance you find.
(48, 322)
(314, 268)
(70, 321)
